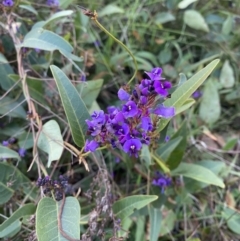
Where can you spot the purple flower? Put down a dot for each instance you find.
(97, 43)
(161, 87)
(130, 109)
(117, 159)
(93, 128)
(146, 124)
(8, 3)
(22, 152)
(91, 146)
(166, 112)
(155, 73)
(132, 147)
(143, 100)
(99, 117)
(197, 94)
(53, 3)
(122, 130)
(83, 78)
(161, 181)
(167, 138)
(123, 95)
(5, 143)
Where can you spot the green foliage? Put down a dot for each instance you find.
(47, 219)
(74, 107)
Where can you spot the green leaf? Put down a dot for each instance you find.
(140, 229)
(89, 91)
(6, 152)
(227, 25)
(210, 107)
(12, 107)
(168, 222)
(10, 174)
(110, 9)
(125, 207)
(28, 8)
(155, 223)
(176, 156)
(46, 40)
(11, 230)
(35, 87)
(185, 3)
(189, 103)
(57, 15)
(5, 193)
(5, 69)
(145, 155)
(227, 78)
(164, 17)
(232, 218)
(27, 209)
(198, 173)
(74, 107)
(47, 219)
(180, 96)
(166, 149)
(50, 141)
(195, 20)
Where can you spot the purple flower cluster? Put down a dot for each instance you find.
(8, 3)
(57, 186)
(134, 122)
(161, 181)
(53, 3)
(21, 151)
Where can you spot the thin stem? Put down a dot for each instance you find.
(119, 42)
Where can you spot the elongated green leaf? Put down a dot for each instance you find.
(198, 173)
(5, 193)
(57, 15)
(176, 155)
(35, 87)
(210, 107)
(11, 230)
(47, 219)
(180, 96)
(28, 8)
(12, 107)
(6, 152)
(89, 91)
(50, 141)
(46, 40)
(155, 223)
(226, 77)
(27, 209)
(233, 219)
(140, 230)
(168, 222)
(110, 9)
(190, 102)
(195, 20)
(165, 150)
(10, 174)
(74, 107)
(124, 208)
(5, 70)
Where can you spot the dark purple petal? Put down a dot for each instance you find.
(122, 130)
(53, 3)
(197, 94)
(91, 146)
(166, 112)
(5, 143)
(167, 85)
(22, 152)
(155, 73)
(130, 109)
(143, 100)
(99, 117)
(132, 147)
(146, 124)
(93, 128)
(123, 95)
(8, 3)
(159, 88)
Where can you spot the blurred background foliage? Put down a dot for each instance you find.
(181, 37)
